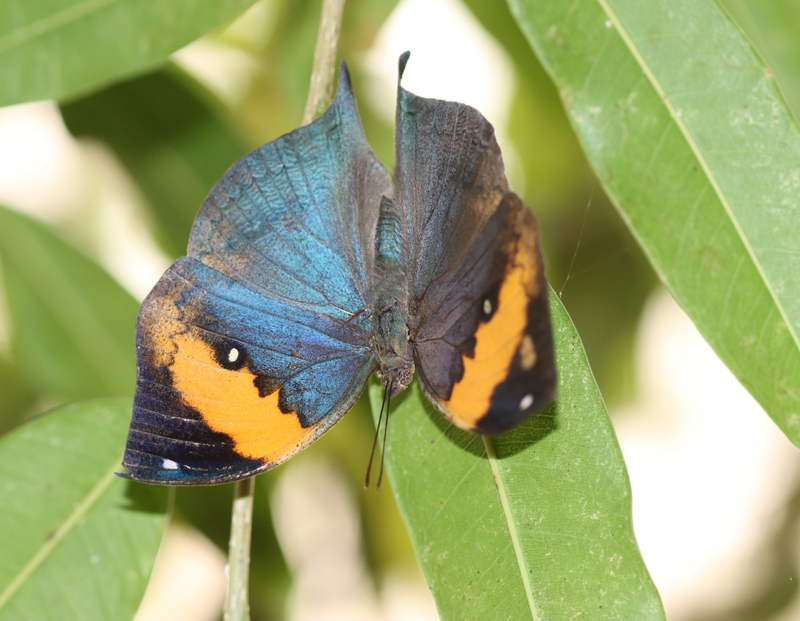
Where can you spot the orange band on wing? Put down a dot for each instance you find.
(229, 403)
(496, 344)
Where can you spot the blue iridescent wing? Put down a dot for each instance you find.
(256, 343)
(480, 324)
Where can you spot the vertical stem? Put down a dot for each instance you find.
(237, 607)
(320, 92)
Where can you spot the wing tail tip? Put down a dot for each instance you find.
(345, 82)
(401, 64)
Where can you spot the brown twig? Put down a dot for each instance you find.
(320, 92)
(237, 607)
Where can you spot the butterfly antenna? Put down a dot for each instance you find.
(385, 431)
(375, 441)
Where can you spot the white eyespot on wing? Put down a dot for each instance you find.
(233, 355)
(168, 464)
(487, 307)
(527, 401)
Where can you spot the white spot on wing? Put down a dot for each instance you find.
(233, 356)
(487, 307)
(169, 464)
(527, 401)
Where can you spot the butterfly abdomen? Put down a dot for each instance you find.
(389, 243)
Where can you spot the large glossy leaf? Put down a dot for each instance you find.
(72, 324)
(533, 524)
(78, 542)
(168, 137)
(692, 140)
(58, 50)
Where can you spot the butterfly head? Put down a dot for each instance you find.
(396, 375)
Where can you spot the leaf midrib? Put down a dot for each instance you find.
(41, 27)
(677, 119)
(72, 520)
(512, 527)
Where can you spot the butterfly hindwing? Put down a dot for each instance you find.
(254, 345)
(481, 326)
(224, 376)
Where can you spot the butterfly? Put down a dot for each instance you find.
(308, 269)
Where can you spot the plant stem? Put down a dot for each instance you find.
(320, 92)
(236, 606)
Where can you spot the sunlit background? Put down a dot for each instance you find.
(716, 492)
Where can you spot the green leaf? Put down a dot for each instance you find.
(59, 50)
(78, 542)
(169, 138)
(532, 524)
(691, 138)
(72, 324)
(773, 28)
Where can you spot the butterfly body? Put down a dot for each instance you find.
(390, 308)
(302, 279)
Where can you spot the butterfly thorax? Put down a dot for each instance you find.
(390, 302)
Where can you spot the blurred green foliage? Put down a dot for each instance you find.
(61, 50)
(167, 133)
(72, 324)
(17, 396)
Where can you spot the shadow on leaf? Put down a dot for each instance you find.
(144, 498)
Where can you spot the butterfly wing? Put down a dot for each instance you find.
(481, 325)
(256, 343)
